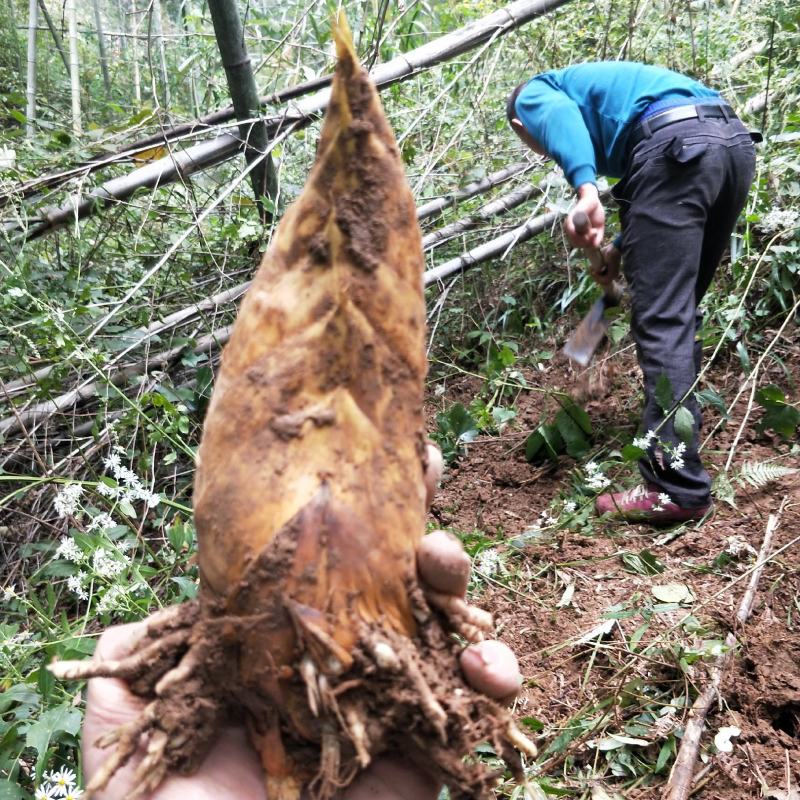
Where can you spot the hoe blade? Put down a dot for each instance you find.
(586, 338)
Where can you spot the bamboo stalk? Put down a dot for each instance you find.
(242, 88)
(101, 46)
(435, 207)
(30, 110)
(74, 66)
(55, 34)
(500, 205)
(399, 69)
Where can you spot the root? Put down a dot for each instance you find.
(520, 741)
(468, 621)
(129, 668)
(308, 671)
(188, 665)
(153, 768)
(126, 737)
(358, 735)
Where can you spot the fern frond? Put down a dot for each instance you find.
(759, 473)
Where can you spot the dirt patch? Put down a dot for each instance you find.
(495, 495)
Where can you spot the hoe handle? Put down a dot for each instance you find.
(598, 265)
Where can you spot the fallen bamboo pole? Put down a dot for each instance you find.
(489, 250)
(493, 248)
(430, 209)
(206, 154)
(681, 777)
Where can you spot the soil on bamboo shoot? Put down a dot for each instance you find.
(310, 504)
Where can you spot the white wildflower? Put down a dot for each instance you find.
(66, 503)
(9, 592)
(125, 545)
(105, 565)
(102, 522)
(664, 499)
(15, 292)
(75, 585)
(488, 562)
(107, 491)
(594, 477)
(63, 780)
(45, 792)
(69, 550)
(112, 462)
(73, 794)
(570, 506)
(112, 599)
(676, 456)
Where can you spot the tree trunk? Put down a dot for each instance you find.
(123, 24)
(158, 27)
(137, 78)
(193, 68)
(101, 46)
(74, 74)
(55, 34)
(242, 87)
(30, 112)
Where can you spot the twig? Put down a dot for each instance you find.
(681, 777)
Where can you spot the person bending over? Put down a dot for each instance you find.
(685, 163)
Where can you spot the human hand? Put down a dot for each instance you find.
(612, 258)
(232, 770)
(589, 203)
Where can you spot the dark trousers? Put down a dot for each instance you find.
(679, 200)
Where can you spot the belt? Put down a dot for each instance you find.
(647, 127)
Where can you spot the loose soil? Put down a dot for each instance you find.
(492, 493)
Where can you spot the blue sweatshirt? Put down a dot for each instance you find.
(582, 115)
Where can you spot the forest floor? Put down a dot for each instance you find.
(610, 700)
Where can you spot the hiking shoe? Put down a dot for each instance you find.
(646, 504)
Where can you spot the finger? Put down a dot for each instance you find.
(119, 641)
(433, 473)
(443, 564)
(392, 779)
(492, 668)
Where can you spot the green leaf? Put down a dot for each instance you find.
(667, 749)
(59, 719)
(632, 453)
(744, 357)
(783, 420)
(187, 586)
(684, 424)
(573, 436)
(533, 724)
(664, 395)
(461, 424)
(709, 397)
(770, 396)
(533, 446)
(578, 414)
(643, 563)
(11, 791)
(553, 441)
